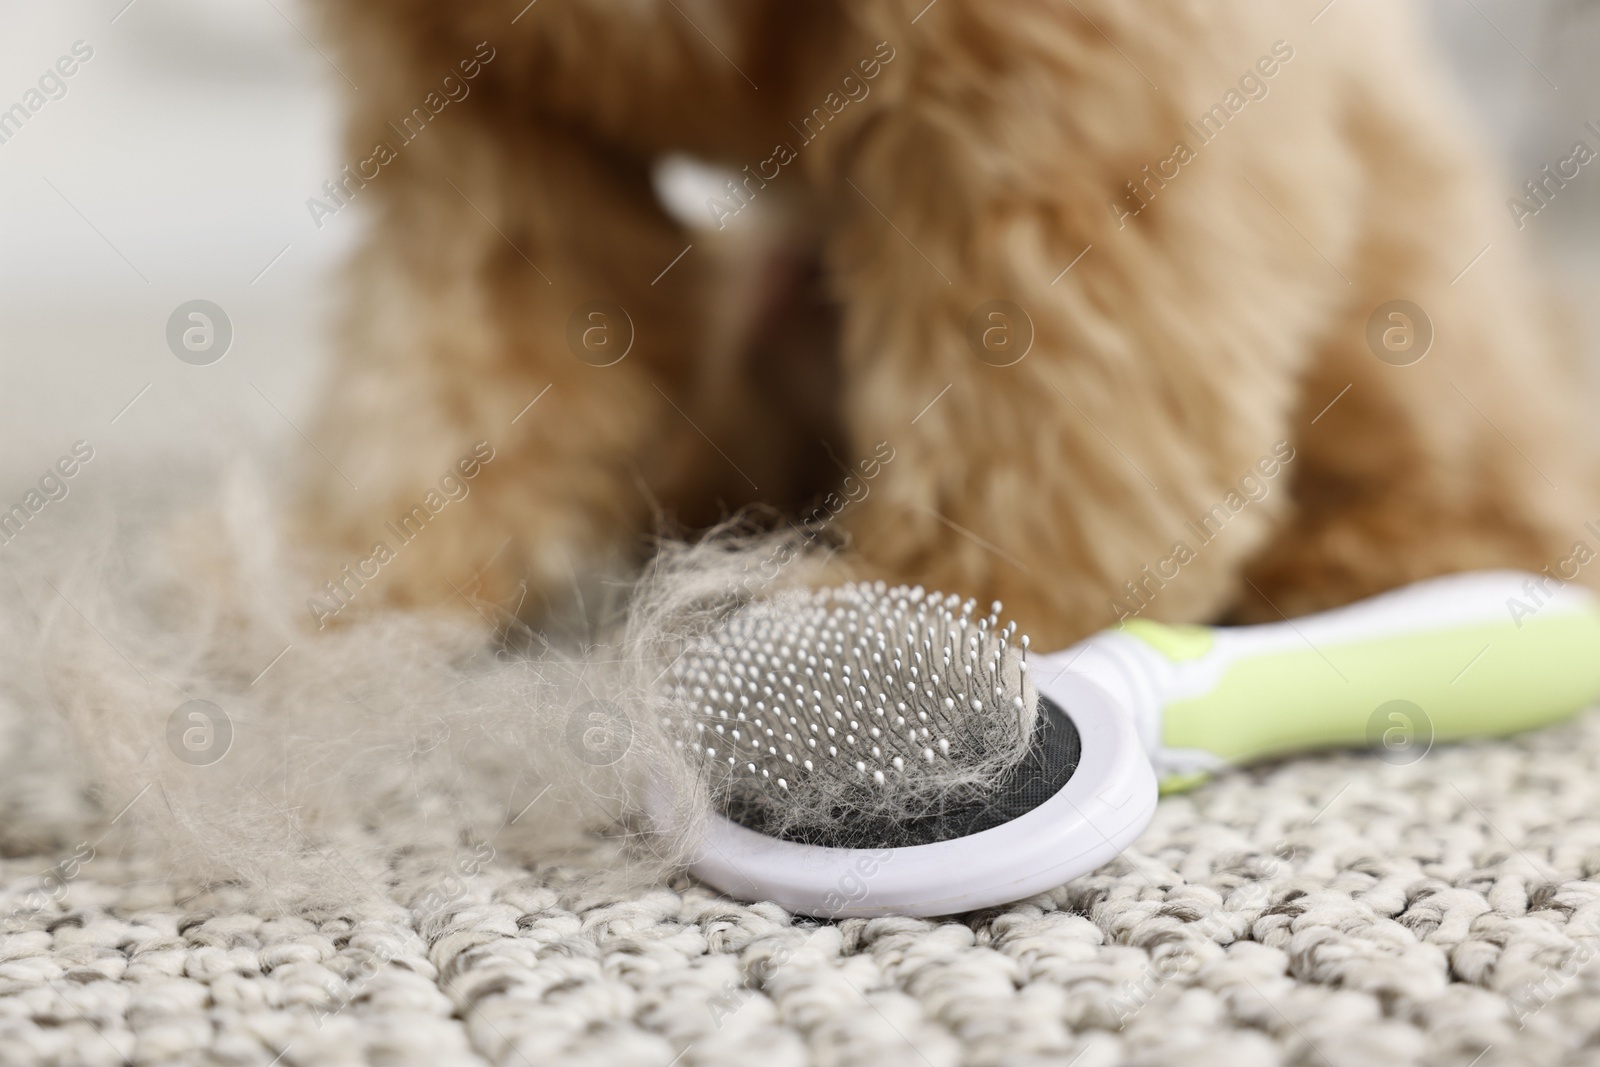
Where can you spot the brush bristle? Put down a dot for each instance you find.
(864, 699)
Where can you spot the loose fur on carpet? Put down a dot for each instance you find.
(1333, 910)
(178, 657)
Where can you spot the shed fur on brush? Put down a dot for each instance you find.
(327, 755)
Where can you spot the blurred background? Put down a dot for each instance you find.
(178, 162)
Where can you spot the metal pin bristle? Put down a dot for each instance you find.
(836, 663)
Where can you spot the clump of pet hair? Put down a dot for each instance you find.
(235, 742)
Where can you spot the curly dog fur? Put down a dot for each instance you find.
(1212, 327)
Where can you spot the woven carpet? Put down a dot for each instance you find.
(1333, 910)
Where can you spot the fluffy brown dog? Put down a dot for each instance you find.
(1105, 324)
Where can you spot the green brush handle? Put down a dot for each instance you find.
(1472, 655)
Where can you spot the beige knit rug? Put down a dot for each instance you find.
(1334, 910)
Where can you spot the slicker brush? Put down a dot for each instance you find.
(874, 751)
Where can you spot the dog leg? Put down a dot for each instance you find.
(1419, 458)
(511, 302)
(1064, 421)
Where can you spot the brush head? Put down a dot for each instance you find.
(866, 716)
